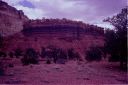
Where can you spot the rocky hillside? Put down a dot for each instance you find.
(61, 33)
(11, 19)
(66, 26)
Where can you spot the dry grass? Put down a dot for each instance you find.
(70, 73)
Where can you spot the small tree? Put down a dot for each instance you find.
(55, 55)
(61, 56)
(1, 41)
(1, 55)
(94, 54)
(18, 52)
(11, 54)
(117, 43)
(30, 57)
(77, 56)
(43, 52)
(1, 69)
(72, 54)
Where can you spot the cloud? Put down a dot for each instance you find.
(89, 11)
(32, 13)
(26, 4)
(12, 2)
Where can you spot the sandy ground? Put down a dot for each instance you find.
(71, 73)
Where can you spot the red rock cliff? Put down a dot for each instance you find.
(11, 19)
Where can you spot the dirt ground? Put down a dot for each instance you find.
(71, 73)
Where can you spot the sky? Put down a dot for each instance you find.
(88, 11)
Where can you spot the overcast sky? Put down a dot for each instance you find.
(88, 11)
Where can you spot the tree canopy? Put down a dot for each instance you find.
(116, 39)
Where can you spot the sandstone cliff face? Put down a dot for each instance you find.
(56, 32)
(11, 19)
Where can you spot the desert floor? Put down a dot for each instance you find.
(71, 73)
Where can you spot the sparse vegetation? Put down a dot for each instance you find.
(61, 56)
(116, 39)
(48, 62)
(18, 52)
(43, 52)
(54, 49)
(30, 57)
(58, 55)
(94, 54)
(11, 54)
(72, 54)
(1, 41)
(1, 70)
(55, 55)
(2, 54)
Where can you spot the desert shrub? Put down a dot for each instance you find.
(51, 52)
(77, 56)
(1, 41)
(43, 52)
(114, 58)
(55, 54)
(3, 54)
(18, 52)
(72, 54)
(61, 56)
(94, 54)
(25, 60)
(11, 54)
(30, 57)
(11, 65)
(48, 53)
(1, 71)
(48, 62)
(31, 53)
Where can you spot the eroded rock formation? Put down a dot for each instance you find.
(11, 19)
(44, 32)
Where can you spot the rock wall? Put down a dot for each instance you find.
(11, 19)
